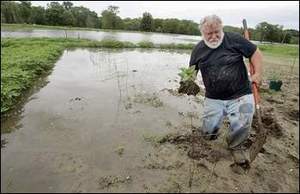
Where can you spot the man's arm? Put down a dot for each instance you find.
(256, 60)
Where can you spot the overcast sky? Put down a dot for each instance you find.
(284, 13)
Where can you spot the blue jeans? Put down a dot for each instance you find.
(240, 113)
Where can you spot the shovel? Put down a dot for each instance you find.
(261, 132)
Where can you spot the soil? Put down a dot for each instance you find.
(189, 88)
(279, 157)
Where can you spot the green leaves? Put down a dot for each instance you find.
(187, 74)
(22, 61)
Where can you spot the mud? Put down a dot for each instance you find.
(112, 181)
(189, 88)
(269, 121)
(3, 143)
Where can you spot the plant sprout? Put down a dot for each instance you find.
(187, 74)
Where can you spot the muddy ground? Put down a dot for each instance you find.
(120, 125)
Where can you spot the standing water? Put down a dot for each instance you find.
(135, 37)
(85, 130)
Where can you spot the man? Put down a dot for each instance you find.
(219, 57)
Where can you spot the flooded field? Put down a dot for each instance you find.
(109, 120)
(135, 37)
(92, 119)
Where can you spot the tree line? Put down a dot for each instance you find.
(66, 14)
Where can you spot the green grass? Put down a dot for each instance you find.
(21, 63)
(146, 44)
(280, 50)
(23, 60)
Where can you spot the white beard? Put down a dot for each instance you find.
(214, 45)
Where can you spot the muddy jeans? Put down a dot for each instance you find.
(240, 113)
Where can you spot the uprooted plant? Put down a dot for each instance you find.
(187, 82)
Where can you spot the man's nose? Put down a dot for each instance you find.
(214, 36)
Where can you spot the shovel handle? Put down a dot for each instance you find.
(254, 85)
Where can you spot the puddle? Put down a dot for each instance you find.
(90, 119)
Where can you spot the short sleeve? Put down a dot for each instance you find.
(193, 58)
(244, 46)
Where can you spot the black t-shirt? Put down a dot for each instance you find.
(223, 70)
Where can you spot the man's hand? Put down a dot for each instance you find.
(256, 78)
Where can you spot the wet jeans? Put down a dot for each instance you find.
(240, 113)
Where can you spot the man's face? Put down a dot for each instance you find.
(213, 35)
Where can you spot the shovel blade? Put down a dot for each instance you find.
(260, 140)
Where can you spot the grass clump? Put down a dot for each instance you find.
(146, 44)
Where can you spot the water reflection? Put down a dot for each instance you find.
(10, 120)
(135, 37)
(71, 127)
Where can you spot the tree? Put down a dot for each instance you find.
(38, 15)
(292, 36)
(131, 24)
(262, 29)
(67, 5)
(91, 19)
(10, 12)
(170, 25)
(110, 20)
(147, 22)
(68, 18)
(25, 11)
(99, 22)
(158, 25)
(270, 32)
(54, 14)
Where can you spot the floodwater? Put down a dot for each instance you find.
(85, 130)
(134, 37)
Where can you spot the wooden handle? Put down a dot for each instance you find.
(246, 33)
(254, 85)
(255, 91)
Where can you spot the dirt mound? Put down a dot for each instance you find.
(197, 148)
(183, 138)
(293, 114)
(109, 181)
(189, 88)
(269, 121)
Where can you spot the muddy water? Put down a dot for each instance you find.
(135, 37)
(86, 129)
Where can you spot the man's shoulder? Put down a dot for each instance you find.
(200, 45)
(233, 35)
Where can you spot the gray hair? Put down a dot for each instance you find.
(210, 19)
